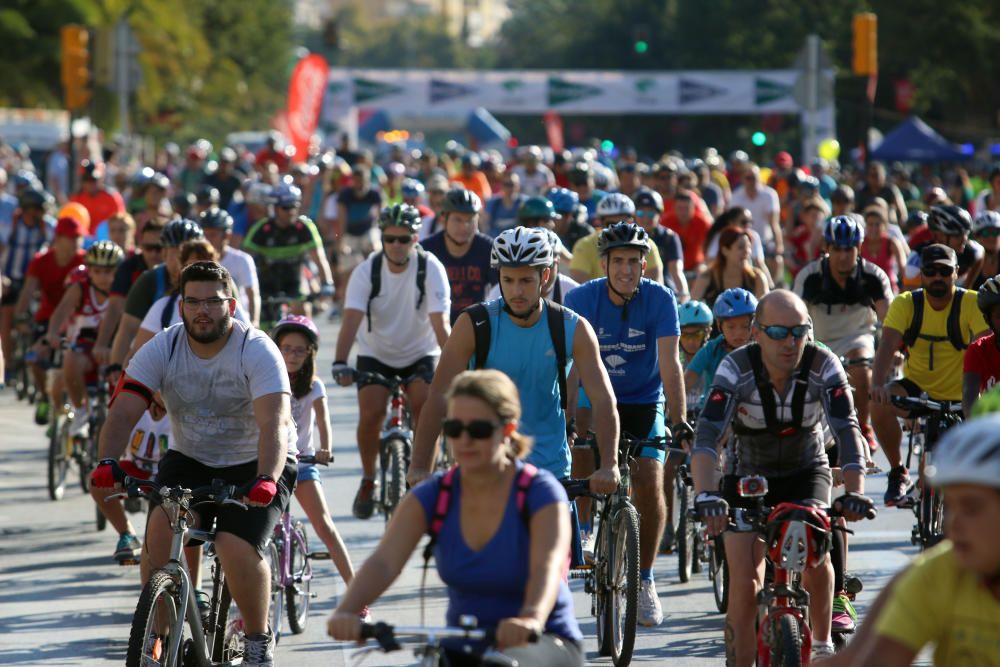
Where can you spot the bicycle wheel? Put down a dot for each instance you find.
(623, 604)
(297, 594)
(931, 517)
(718, 572)
(787, 649)
(88, 451)
(274, 615)
(58, 456)
(395, 475)
(684, 534)
(602, 594)
(227, 631)
(151, 638)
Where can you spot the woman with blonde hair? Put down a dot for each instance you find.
(506, 567)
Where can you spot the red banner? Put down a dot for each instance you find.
(554, 131)
(904, 95)
(305, 98)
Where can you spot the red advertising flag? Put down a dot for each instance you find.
(305, 98)
(554, 131)
(904, 95)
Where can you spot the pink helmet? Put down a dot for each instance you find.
(299, 323)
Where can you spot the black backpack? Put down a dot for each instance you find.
(954, 336)
(766, 391)
(557, 329)
(377, 281)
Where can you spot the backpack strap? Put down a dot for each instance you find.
(912, 331)
(766, 392)
(441, 505)
(168, 311)
(764, 388)
(557, 295)
(480, 317)
(376, 281)
(160, 273)
(557, 329)
(524, 479)
(802, 385)
(955, 319)
(421, 275)
(173, 344)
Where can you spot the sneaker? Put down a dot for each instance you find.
(364, 501)
(899, 482)
(667, 541)
(650, 613)
(588, 542)
(258, 650)
(844, 615)
(80, 426)
(128, 549)
(42, 412)
(819, 649)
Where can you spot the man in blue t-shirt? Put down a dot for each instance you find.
(521, 346)
(464, 252)
(638, 334)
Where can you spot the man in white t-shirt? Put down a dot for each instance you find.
(536, 177)
(765, 211)
(400, 320)
(213, 373)
(217, 225)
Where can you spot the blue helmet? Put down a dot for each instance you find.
(564, 200)
(694, 313)
(412, 188)
(844, 231)
(735, 302)
(284, 195)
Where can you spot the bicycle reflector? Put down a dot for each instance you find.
(753, 486)
(797, 536)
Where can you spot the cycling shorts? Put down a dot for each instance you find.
(308, 472)
(645, 421)
(810, 487)
(254, 524)
(422, 368)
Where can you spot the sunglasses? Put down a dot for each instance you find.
(647, 213)
(478, 429)
(694, 335)
(388, 238)
(942, 271)
(152, 247)
(778, 332)
(990, 233)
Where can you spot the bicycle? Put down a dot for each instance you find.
(20, 371)
(796, 537)
(936, 417)
(426, 642)
(167, 601)
(687, 538)
(714, 550)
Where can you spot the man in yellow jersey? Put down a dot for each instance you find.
(586, 263)
(936, 323)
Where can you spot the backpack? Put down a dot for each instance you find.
(766, 391)
(557, 329)
(954, 336)
(855, 292)
(377, 281)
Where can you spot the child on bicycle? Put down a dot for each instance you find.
(734, 310)
(297, 339)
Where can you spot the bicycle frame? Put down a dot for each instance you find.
(286, 534)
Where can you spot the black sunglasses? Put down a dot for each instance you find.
(388, 238)
(942, 271)
(989, 233)
(478, 429)
(778, 332)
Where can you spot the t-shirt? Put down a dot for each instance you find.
(490, 583)
(502, 217)
(938, 602)
(982, 357)
(943, 379)
(22, 243)
(243, 270)
(692, 236)
(586, 258)
(762, 207)
(707, 361)
(101, 205)
(51, 279)
(210, 401)
(470, 275)
(279, 252)
(154, 316)
(842, 312)
(400, 332)
(477, 183)
(537, 183)
(127, 273)
(628, 347)
(302, 415)
(362, 210)
(149, 287)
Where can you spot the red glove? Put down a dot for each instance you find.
(262, 490)
(107, 474)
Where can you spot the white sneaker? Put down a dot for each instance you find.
(823, 649)
(80, 427)
(258, 650)
(588, 542)
(650, 613)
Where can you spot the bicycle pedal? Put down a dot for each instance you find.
(318, 555)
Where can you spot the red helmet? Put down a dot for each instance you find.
(798, 536)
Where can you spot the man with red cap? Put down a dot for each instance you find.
(100, 201)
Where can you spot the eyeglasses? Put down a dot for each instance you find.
(942, 271)
(294, 351)
(152, 247)
(478, 429)
(403, 240)
(778, 332)
(990, 233)
(212, 303)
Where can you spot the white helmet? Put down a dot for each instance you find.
(615, 203)
(968, 454)
(521, 246)
(986, 220)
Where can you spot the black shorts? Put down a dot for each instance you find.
(813, 485)
(422, 368)
(254, 524)
(11, 290)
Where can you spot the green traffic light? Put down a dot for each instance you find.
(641, 46)
(607, 145)
(758, 139)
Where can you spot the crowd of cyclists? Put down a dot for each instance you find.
(761, 316)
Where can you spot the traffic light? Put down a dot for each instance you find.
(75, 66)
(607, 146)
(640, 39)
(865, 44)
(758, 138)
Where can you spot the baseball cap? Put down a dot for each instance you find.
(783, 160)
(938, 253)
(69, 227)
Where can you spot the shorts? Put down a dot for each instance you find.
(422, 368)
(864, 342)
(11, 290)
(647, 420)
(307, 472)
(357, 247)
(254, 524)
(812, 486)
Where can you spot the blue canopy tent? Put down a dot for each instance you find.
(915, 141)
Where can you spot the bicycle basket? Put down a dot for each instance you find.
(797, 536)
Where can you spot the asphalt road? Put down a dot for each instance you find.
(63, 601)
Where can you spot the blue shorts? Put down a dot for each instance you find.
(308, 472)
(644, 421)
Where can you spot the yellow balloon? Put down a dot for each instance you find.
(829, 149)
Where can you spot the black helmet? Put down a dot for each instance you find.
(950, 219)
(915, 219)
(215, 218)
(460, 200)
(35, 197)
(180, 230)
(988, 296)
(648, 198)
(159, 180)
(623, 235)
(400, 215)
(183, 203)
(207, 196)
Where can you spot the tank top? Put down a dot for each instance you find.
(714, 289)
(89, 313)
(884, 259)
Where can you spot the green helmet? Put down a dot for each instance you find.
(536, 208)
(987, 403)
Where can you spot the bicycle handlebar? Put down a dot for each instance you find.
(302, 458)
(377, 378)
(388, 636)
(218, 492)
(926, 406)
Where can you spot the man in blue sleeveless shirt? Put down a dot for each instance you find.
(521, 346)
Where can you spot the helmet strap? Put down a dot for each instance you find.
(626, 298)
(526, 316)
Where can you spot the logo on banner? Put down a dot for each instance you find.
(365, 90)
(691, 91)
(767, 91)
(446, 90)
(337, 87)
(512, 85)
(562, 91)
(644, 86)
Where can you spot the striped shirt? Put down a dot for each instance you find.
(22, 244)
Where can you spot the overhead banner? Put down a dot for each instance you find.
(432, 92)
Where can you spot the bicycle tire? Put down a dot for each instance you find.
(624, 593)
(787, 651)
(394, 475)
(683, 536)
(275, 611)
(88, 457)
(718, 572)
(601, 595)
(931, 517)
(58, 464)
(161, 586)
(227, 632)
(297, 594)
